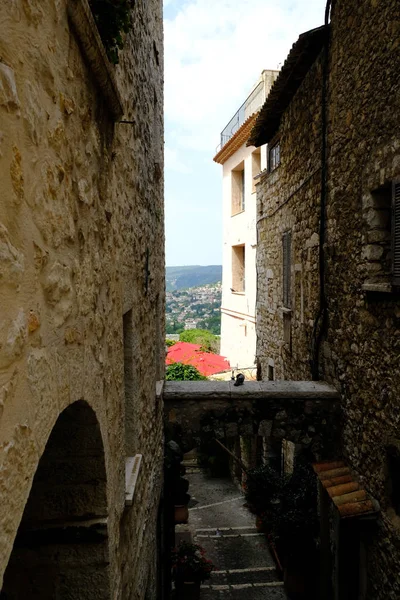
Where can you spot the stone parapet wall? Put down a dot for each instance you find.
(81, 244)
(307, 413)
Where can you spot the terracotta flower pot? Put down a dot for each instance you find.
(295, 584)
(260, 525)
(181, 513)
(187, 590)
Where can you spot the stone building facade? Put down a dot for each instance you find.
(349, 272)
(240, 165)
(82, 303)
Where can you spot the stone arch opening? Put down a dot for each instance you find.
(61, 547)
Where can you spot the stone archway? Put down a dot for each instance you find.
(61, 547)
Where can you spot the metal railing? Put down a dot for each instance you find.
(249, 106)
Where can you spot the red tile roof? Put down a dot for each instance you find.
(207, 363)
(238, 139)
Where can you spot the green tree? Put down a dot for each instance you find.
(180, 372)
(207, 340)
(113, 19)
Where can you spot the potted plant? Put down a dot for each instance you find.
(190, 568)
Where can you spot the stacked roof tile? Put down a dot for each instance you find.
(347, 494)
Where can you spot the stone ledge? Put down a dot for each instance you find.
(85, 27)
(268, 390)
(132, 468)
(385, 288)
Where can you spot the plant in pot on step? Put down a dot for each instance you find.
(190, 568)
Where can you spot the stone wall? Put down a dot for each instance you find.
(288, 200)
(306, 413)
(361, 355)
(361, 348)
(81, 245)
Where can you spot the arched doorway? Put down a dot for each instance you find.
(61, 548)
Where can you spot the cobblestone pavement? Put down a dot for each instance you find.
(226, 530)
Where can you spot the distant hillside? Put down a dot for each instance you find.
(178, 278)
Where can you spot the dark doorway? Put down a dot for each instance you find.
(61, 548)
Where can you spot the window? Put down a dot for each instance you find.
(381, 243)
(271, 376)
(238, 189)
(393, 472)
(128, 379)
(286, 253)
(255, 167)
(396, 232)
(274, 157)
(238, 268)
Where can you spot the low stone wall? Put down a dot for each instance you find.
(306, 413)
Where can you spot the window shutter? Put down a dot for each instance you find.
(396, 232)
(286, 246)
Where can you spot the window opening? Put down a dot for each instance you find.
(238, 268)
(274, 157)
(238, 189)
(286, 248)
(255, 167)
(396, 232)
(128, 378)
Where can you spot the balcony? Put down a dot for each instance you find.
(249, 106)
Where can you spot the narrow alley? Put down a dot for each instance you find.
(224, 527)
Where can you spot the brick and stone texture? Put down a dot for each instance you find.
(82, 245)
(361, 345)
(288, 200)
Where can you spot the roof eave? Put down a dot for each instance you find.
(300, 59)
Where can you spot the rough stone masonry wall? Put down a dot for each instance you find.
(288, 200)
(362, 352)
(81, 243)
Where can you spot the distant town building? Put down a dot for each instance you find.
(241, 165)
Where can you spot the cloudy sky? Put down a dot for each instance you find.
(215, 51)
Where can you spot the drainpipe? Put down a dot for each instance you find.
(320, 322)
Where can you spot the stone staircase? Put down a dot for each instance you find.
(245, 568)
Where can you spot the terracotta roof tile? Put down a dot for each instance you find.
(296, 66)
(347, 494)
(236, 141)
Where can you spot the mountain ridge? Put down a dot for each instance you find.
(182, 277)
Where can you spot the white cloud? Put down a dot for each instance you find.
(215, 52)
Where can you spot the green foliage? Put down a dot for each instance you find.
(113, 19)
(263, 486)
(174, 327)
(207, 340)
(190, 564)
(170, 343)
(180, 372)
(211, 324)
(287, 505)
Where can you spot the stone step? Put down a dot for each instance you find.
(253, 575)
(236, 550)
(232, 531)
(267, 591)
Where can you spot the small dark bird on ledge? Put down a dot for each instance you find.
(239, 379)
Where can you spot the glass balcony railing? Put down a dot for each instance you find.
(249, 106)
